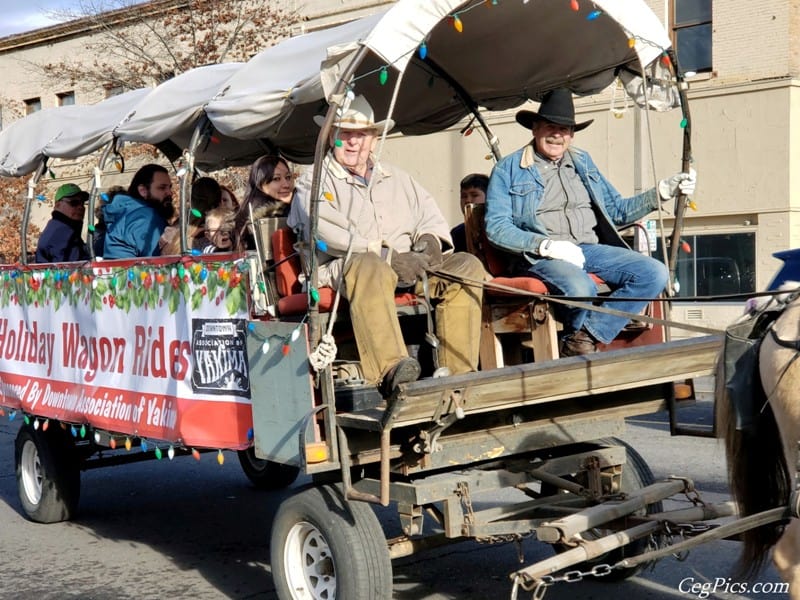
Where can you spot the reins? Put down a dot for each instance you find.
(788, 344)
(577, 302)
(587, 302)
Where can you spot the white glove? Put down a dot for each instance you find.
(325, 353)
(680, 182)
(562, 250)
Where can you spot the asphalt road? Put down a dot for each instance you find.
(197, 530)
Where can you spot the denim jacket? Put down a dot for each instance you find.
(516, 190)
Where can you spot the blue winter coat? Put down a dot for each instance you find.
(133, 228)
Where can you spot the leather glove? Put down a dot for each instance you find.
(409, 266)
(680, 182)
(562, 250)
(429, 245)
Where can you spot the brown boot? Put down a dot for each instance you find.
(405, 370)
(578, 344)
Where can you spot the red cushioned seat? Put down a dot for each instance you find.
(506, 312)
(297, 304)
(528, 284)
(293, 300)
(287, 263)
(496, 261)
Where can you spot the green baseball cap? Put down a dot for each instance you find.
(70, 189)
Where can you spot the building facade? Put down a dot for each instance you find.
(744, 104)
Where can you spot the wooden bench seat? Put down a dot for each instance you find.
(506, 313)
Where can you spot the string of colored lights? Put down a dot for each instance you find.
(43, 423)
(86, 278)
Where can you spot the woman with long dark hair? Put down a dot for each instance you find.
(269, 194)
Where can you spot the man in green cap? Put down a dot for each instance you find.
(61, 239)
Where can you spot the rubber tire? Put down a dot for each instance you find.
(266, 474)
(47, 463)
(348, 532)
(635, 475)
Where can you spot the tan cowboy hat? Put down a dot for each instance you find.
(556, 107)
(358, 115)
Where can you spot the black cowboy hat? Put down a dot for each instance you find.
(556, 107)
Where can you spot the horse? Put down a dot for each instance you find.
(762, 459)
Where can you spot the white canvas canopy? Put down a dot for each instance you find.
(167, 116)
(22, 143)
(63, 132)
(505, 55)
(276, 94)
(92, 128)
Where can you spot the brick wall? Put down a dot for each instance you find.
(751, 39)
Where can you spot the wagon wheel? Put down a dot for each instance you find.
(48, 474)
(324, 547)
(266, 474)
(636, 474)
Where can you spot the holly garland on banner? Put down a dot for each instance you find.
(147, 286)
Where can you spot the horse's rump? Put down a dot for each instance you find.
(757, 470)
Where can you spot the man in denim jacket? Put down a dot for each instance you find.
(549, 204)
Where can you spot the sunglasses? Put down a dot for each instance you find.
(73, 201)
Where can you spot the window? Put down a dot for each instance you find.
(66, 98)
(114, 90)
(33, 105)
(717, 265)
(691, 34)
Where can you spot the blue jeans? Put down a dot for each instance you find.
(629, 274)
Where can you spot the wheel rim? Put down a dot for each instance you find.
(31, 473)
(308, 564)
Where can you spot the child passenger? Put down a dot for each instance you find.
(228, 199)
(473, 191)
(218, 231)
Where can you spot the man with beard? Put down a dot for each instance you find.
(61, 239)
(549, 204)
(136, 220)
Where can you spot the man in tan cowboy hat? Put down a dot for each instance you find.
(548, 203)
(382, 231)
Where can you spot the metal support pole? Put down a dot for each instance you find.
(587, 550)
(566, 528)
(26, 213)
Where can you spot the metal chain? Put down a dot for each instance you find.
(462, 489)
(692, 493)
(539, 587)
(694, 497)
(504, 538)
(671, 530)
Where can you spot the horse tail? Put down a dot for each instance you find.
(757, 471)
